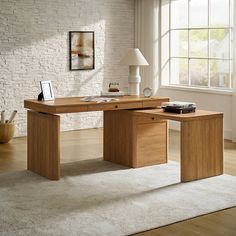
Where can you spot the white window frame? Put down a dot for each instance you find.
(167, 63)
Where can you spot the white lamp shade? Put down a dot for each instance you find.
(134, 58)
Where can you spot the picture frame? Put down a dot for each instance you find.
(47, 91)
(81, 50)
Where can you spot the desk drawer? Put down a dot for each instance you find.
(115, 106)
(146, 119)
(142, 117)
(152, 103)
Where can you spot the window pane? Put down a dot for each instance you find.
(198, 43)
(179, 71)
(165, 57)
(219, 13)
(179, 43)
(179, 14)
(219, 43)
(198, 13)
(198, 72)
(198, 46)
(165, 54)
(220, 73)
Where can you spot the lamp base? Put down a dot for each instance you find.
(134, 89)
(134, 80)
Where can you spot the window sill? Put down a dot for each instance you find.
(198, 90)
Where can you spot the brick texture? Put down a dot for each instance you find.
(34, 40)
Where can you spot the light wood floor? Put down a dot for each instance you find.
(87, 144)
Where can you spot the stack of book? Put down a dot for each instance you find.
(179, 107)
(112, 94)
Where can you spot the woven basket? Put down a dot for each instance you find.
(7, 131)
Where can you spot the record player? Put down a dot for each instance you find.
(179, 107)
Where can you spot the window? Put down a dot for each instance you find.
(197, 43)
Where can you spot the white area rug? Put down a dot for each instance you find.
(99, 198)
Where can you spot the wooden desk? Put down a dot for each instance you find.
(201, 141)
(43, 127)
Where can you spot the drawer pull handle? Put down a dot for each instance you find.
(116, 106)
(153, 118)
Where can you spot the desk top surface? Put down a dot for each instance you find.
(75, 104)
(198, 114)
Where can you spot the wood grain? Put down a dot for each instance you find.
(134, 142)
(201, 149)
(118, 137)
(201, 141)
(151, 144)
(75, 104)
(44, 153)
(199, 115)
(116, 106)
(221, 223)
(43, 144)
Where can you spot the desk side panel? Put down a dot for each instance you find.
(43, 144)
(201, 149)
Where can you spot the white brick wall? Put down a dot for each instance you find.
(34, 46)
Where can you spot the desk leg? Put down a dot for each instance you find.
(118, 137)
(201, 149)
(43, 144)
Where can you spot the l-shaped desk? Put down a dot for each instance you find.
(201, 133)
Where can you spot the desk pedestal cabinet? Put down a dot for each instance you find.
(133, 140)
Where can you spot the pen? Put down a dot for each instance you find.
(13, 114)
(3, 117)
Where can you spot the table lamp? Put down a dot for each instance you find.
(134, 58)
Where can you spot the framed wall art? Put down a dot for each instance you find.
(81, 46)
